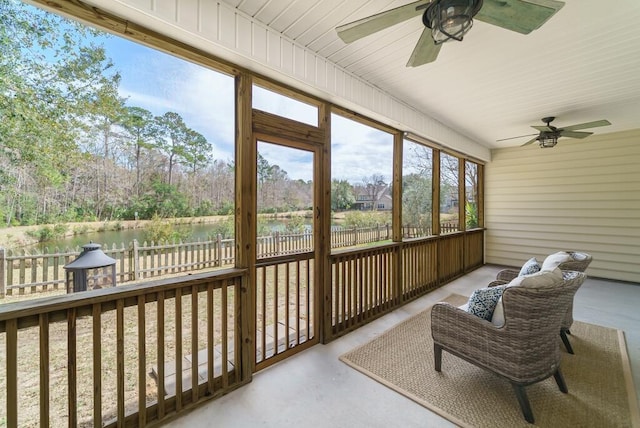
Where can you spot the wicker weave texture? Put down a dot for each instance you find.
(579, 263)
(526, 349)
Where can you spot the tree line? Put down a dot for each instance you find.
(73, 149)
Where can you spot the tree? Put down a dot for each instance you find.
(142, 132)
(342, 195)
(49, 74)
(173, 135)
(197, 152)
(374, 185)
(416, 200)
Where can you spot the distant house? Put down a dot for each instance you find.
(366, 200)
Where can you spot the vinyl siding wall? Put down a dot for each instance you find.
(581, 195)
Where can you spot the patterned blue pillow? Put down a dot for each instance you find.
(483, 301)
(529, 267)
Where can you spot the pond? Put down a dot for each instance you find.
(198, 231)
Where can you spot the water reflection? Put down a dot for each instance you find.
(108, 238)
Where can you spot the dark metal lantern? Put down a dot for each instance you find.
(450, 19)
(91, 270)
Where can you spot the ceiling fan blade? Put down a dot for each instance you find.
(426, 50)
(530, 141)
(522, 16)
(542, 128)
(513, 138)
(574, 134)
(363, 27)
(593, 124)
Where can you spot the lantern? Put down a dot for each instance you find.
(91, 270)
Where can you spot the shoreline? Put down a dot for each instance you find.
(15, 237)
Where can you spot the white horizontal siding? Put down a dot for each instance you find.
(220, 29)
(580, 195)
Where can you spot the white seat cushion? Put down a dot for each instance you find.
(554, 260)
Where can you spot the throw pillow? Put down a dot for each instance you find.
(529, 267)
(553, 260)
(544, 278)
(483, 301)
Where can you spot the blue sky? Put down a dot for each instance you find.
(160, 82)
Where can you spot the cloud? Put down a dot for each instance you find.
(205, 99)
(359, 151)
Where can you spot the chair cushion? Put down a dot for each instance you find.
(483, 301)
(554, 260)
(544, 278)
(530, 266)
(497, 318)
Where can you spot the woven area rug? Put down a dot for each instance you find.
(598, 375)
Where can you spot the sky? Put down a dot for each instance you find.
(203, 97)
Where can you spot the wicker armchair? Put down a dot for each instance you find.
(579, 263)
(525, 350)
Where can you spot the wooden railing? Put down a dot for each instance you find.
(126, 356)
(366, 284)
(285, 307)
(24, 273)
(362, 286)
(29, 273)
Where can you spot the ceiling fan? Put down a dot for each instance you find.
(447, 20)
(549, 134)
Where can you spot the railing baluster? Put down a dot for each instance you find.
(210, 339)
(160, 352)
(264, 313)
(12, 372)
(194, 344)
(44, 369)
(275, 309)
(225, 335)
(309, 312)
(178, 353)
(72, 368)
(287, 297)
(142, 362)
(297, 306)
(97, 365)
(120, 360)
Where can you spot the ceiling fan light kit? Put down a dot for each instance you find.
(547, 141)
(450, 19)
(549, 134)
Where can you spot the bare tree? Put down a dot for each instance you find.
(374, 186)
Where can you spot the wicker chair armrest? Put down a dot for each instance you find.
(465, 333)
(497, 282)
(507, 275)
(477, 340)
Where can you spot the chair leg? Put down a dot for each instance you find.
(437, 355)
(521, 394)
(560, 381)
(565, 340)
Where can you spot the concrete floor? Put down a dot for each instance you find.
(315, 389)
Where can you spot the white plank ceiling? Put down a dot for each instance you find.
(582, 65)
